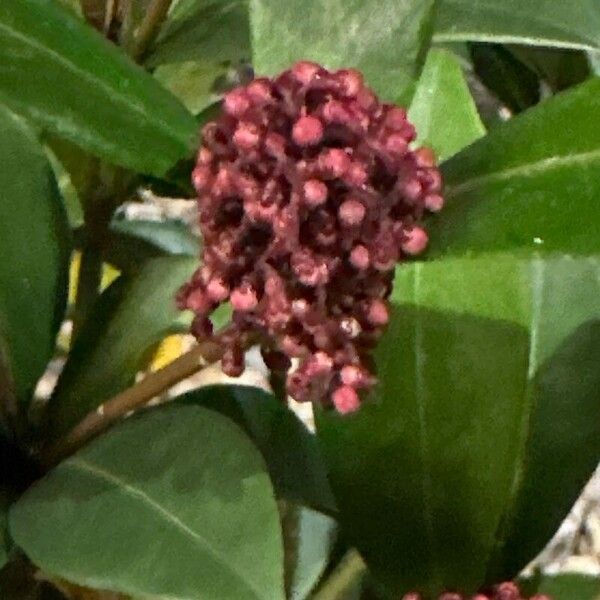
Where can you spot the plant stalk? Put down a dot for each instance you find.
(146, 33)
(88, 286)
(206, 352)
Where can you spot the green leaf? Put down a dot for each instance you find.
(531, 183)
(34, 246)
(131, 317)
(385, 39)
(483, 430)
(192, 82)
(594, 61)
(90, 93)
(130, 244)
(442, 109)
(511, 81)
(213, 32)
(560, 69)
(178, 490)
(308, 539)
(290, 450)
(537, 23)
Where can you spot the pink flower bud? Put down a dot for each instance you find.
(246, 136)
(359, 257)
(378, 314)
(305, 71)
(345, 399)
(244, 298)
(315, 192)
(351, 213)
(307, 131)
(236, 102)
(416, 241)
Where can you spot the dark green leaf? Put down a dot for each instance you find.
(536, 23)
(385, 39)
(512, 82)
(483, 430)
(90, 93)
(560, 69)
(568, 586)
(442, 108)
(213, 32)
(531, 183)
(5, 543)
(34, 246)
(131, 243)
(19, 581)
(290, 450)
(179, 492)
(131, 317)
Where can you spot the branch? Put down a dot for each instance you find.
(141, 393)
(145, 34)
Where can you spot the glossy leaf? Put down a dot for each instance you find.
(442, 109)
(132, 243)
(214, 32)
(567, 586)
(90, 93)
(34, 249)
(531, 183)
(290, 450)
(535, 23)
(131, 317)
(511, 81)
(559, 68)
(308, 538)
(385, 39)
(483, 429)
(178, 492)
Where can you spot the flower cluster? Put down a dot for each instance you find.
(309, 194)
(503, 591)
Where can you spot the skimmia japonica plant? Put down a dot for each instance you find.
(297, 299)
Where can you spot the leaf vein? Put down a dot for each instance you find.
(134, 492)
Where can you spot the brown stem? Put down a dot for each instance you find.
(134, 397)
(144, 35)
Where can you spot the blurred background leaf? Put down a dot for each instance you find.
(513, 82)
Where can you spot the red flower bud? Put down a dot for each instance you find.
(309, 194)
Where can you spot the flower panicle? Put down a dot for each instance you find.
(503, 591)
(309, 194)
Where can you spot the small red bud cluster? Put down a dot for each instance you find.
(309, 194)
(503, 591)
